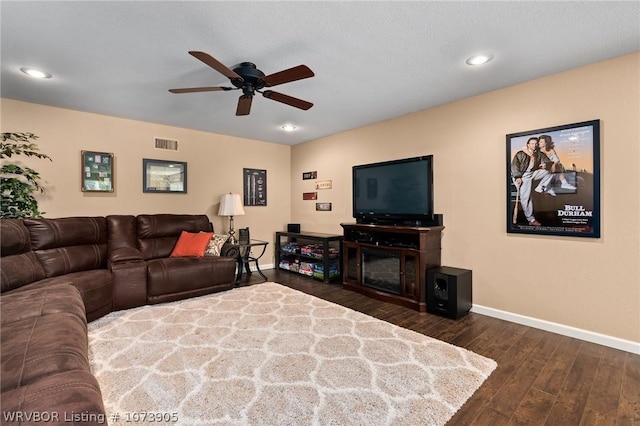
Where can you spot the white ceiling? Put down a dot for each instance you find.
(372, 60)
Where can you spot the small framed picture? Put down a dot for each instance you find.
(97, 171)
(323, 207)
(254, 187)
(323, 184)
(161, 176)
(309, 195)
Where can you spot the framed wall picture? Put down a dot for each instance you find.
(97, 171)
(323, 184)
(255, 187)
(161, 176)
(309, 195)
(323, 207)
(553, 180)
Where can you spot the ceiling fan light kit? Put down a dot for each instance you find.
(248, 78)
(288, 127)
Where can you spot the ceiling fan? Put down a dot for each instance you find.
(247, 77)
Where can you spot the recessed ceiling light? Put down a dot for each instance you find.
(480, 59)
(288, 127)
(35, 73)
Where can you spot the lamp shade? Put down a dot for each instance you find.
(230, 205)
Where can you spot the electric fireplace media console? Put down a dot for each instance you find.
(389, 262)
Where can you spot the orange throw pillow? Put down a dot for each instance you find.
(191, 244)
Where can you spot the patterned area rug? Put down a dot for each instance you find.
(270, 355)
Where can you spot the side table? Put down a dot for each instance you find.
(247, 255)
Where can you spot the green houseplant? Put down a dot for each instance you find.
(18, 183)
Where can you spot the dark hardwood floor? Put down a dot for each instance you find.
(542, 378)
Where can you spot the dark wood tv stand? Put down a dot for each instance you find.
(390, 263)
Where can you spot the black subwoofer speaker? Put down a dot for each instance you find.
(449, 291)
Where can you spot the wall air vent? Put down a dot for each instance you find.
(170, 144)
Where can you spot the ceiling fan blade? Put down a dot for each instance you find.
(286, 76)
(286, 99)
(244, 105)
(216, 65)
(200, 89)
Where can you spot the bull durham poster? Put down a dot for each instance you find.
(553, 181)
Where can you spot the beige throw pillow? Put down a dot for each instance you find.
(215, 245)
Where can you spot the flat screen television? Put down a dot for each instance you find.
(398, 192)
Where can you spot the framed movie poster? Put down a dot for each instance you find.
(553, 181)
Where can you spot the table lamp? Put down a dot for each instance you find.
(231, 205)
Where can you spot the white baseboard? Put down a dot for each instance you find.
(262, 267)
(565, 330)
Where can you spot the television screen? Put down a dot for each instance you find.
(394, 190)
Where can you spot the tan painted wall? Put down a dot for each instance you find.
(590, 284)
(214, 166)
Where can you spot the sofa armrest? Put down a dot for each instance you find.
(124, 254)
(129, 283)
(126, 263)
(22, 304)
(230, 250)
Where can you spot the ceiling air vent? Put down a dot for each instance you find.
(170, 144)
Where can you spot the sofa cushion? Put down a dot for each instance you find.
(35, 302)
(96, 289)
(15, 237)
(36, 347)
(19, 270)
(214, 248)
(158, 233)
(69, 393)
(69, 245)
(18, 264)
(66, 231)
(191, 244)
(176, 275)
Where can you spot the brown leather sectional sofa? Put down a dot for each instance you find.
(58, 274)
